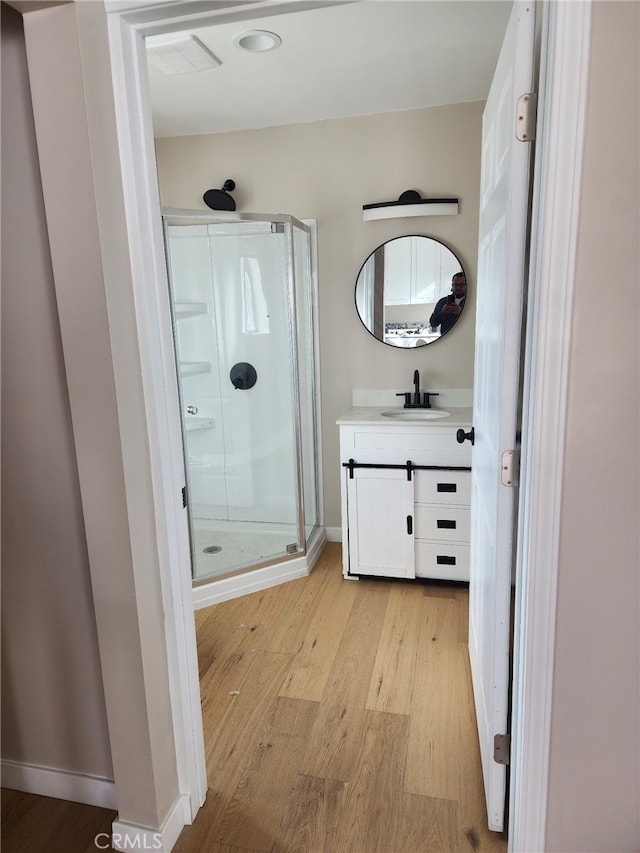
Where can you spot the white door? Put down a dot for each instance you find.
(380, 508)
(501, 273)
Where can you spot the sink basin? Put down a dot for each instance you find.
(415, 414)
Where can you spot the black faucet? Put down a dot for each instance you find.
(421, 400)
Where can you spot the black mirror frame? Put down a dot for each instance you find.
(372, 254)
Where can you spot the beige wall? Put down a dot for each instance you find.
(53, 709)
(101, 395)
(327, 171)
(594, 796)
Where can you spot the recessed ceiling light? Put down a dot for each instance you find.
(257, 41)
(179, 54)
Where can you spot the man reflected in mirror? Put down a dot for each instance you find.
(449, 308)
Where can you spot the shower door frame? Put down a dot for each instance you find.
(175, 216)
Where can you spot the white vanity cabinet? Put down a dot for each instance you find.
(405, 500)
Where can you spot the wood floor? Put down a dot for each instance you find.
(338, 719)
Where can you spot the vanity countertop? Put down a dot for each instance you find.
(459, 416)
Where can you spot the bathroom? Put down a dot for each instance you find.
(591, 782)
(436, 150)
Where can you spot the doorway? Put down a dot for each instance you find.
(535, 649)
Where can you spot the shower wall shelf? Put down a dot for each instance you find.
(193, 423)
(189, 309)
(194, 368)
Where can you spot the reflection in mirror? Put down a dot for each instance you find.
(410, 291)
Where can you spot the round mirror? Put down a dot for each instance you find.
(410, 291)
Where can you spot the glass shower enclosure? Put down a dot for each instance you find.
(242, 307)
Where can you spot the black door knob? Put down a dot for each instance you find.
(463, 436)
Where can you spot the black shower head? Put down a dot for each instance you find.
(220, 199)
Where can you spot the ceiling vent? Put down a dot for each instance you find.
(179, 54)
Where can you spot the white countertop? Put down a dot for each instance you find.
(459, 416)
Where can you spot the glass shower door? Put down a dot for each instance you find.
(231, 289)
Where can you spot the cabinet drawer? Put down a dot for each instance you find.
(396, 444)
(448, 487)
(448, 523)
(446, 561)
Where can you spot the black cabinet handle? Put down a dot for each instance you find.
(409, 524)
(462, 436)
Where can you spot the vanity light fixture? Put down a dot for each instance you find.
(257, 41)
(410, 203)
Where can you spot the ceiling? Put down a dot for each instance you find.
(357, 58)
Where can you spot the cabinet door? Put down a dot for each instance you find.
(397, 272)
(425, 271)
(380, 512)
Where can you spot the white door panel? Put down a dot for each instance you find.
(501, 274)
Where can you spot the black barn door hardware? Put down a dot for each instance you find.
(409, 467)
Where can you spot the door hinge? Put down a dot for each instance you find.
(184, 496)
(526, 112)
(501, 748)
(510, 468)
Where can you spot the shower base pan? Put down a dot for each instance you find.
(249, 559)
(222, 547)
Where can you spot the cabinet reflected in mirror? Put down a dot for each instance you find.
(410, 291)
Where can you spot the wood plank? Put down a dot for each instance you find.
(229, 746)
(392, 679)
(435, 759)
(333, 740)
(200, 835)
(429, 825)
(293, 623)
(317, 652)
(48, 825)
(311, 821)
(375, 786)
(257, 615)
(253, 815)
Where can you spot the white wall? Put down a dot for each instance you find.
(594, 795)
(326, 171)
(53, 707)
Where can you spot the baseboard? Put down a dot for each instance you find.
(257, 579)
(334, 534)
(127, 836)
(61, 784)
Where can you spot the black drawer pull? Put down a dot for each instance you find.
(445, 561)
(446, 523)
(447, 487)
